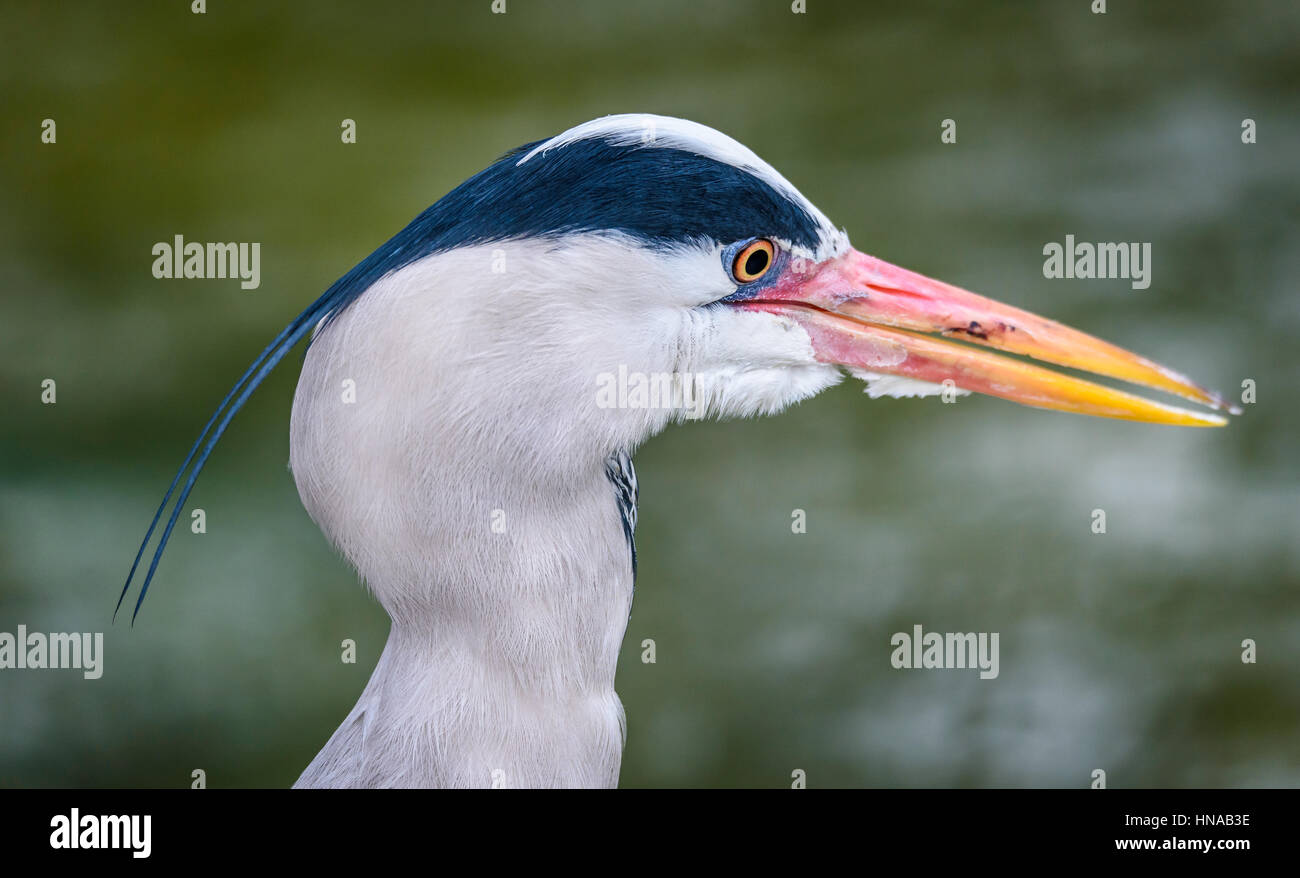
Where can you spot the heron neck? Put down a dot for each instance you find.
(499, 667)
(459, 461)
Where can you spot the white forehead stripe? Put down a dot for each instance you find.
(650, 131)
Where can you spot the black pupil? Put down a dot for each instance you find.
(755, 262)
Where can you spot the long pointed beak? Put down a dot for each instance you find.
(864, 313)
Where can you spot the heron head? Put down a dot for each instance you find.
(678, 275)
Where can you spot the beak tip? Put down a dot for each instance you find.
(1223, 405)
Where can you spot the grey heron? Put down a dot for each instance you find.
(482, 487)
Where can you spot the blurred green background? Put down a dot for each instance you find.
(1119, 651)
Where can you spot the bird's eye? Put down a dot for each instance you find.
(753, 261)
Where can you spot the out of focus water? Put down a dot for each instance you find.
(1119, 651)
